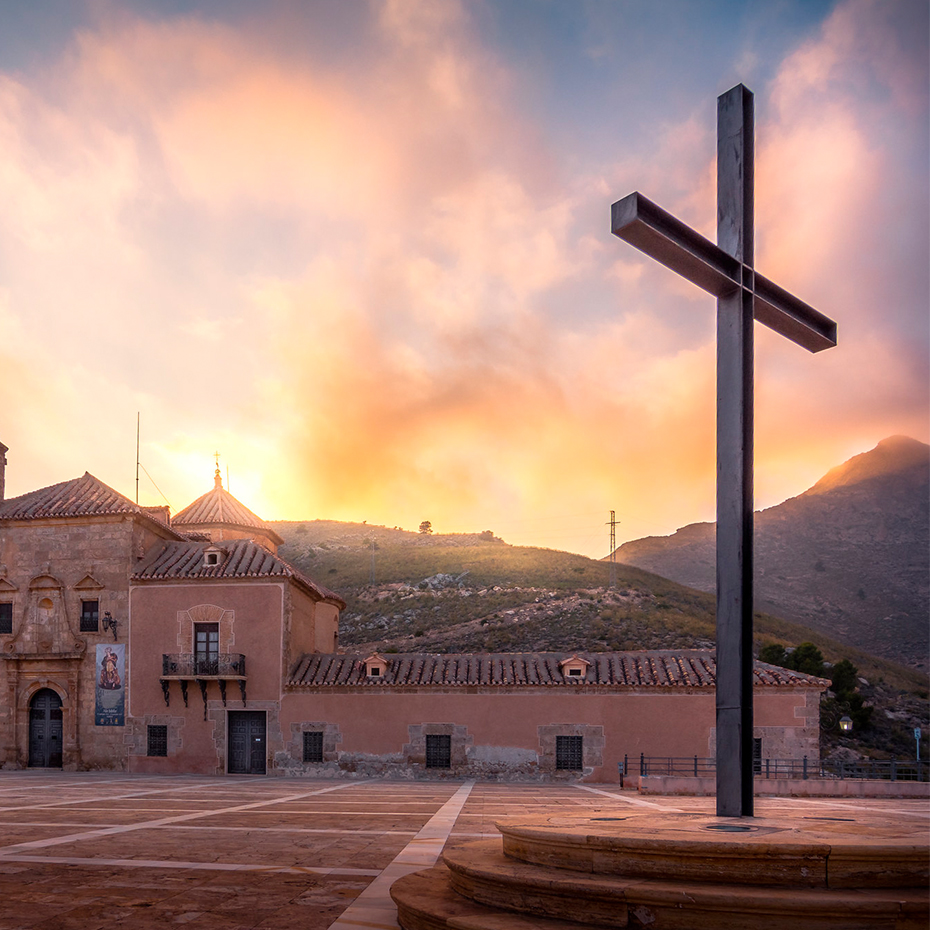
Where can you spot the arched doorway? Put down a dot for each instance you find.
(45, 730)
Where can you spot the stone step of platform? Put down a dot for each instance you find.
(818, 852)
(480, 872)
(425, 901)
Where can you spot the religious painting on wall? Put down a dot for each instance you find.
(110, 686)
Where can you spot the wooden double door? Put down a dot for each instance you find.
(247, 742)
(45, 730)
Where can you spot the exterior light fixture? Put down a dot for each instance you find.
(846, 724)
(110, 623)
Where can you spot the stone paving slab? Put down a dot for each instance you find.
(69, 817)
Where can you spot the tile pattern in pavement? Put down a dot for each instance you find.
(101, 851)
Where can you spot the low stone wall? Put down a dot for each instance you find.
(784, 787)
(398, 766)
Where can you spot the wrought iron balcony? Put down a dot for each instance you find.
(186, 666)
(191, 665)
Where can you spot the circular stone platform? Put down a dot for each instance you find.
(814, 850)
(816, 866)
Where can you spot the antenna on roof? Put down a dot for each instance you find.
(140, 465)
(137, 456)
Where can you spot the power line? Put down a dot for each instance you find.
(157, 488)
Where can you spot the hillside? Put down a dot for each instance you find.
(474, 593)
(850, 557)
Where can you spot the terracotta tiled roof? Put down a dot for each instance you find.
(218, 507)
(239, 558)
(79, 497)
(656, 669)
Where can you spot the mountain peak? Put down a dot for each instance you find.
(891, 456)
(849, 557)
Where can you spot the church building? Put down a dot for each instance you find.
(134, 640)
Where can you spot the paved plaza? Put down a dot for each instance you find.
(110, 850)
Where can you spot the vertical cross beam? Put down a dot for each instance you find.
(726, 270)
(735, 457)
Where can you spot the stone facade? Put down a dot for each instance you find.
(48, 569)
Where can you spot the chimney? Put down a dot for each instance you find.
(3, 452)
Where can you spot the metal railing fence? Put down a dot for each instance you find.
(887, 769)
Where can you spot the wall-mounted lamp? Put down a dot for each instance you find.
(110, 623)
(836, 715)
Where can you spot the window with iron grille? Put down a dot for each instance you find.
(438, 752)
(568, 752)
(6, 618)
(313, 746)
(90, 614)
(757, 755)
(158, 740)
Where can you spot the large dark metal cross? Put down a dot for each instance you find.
(726, 271)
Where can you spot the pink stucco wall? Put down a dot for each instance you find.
(251, 622)
(377, 722)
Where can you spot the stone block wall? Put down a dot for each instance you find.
(592, 747)
(47, 568)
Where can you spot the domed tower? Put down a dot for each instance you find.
(218, 515)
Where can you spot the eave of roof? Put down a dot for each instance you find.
(683, 669)
(242, 559)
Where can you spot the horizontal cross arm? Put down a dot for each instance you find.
(669, 241)
(639, 221)
(792, 318)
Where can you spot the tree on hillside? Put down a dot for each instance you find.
(843, 677)
(843, 684)
(774, 654)
(807, 658)
(426, 528)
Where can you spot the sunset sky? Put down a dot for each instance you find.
(362, 249)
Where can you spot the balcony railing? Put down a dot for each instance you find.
(186, 666)
(191, 665)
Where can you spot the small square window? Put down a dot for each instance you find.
(158, 740)
(374, 671)
(6, 618)
(574, 673)
(569, 752)
(438, 752)
(212, 558)
(90, 614)
(313, 746)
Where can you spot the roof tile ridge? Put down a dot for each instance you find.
(220, 494)
(102, 486)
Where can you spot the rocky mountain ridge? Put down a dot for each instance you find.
(850, 557)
